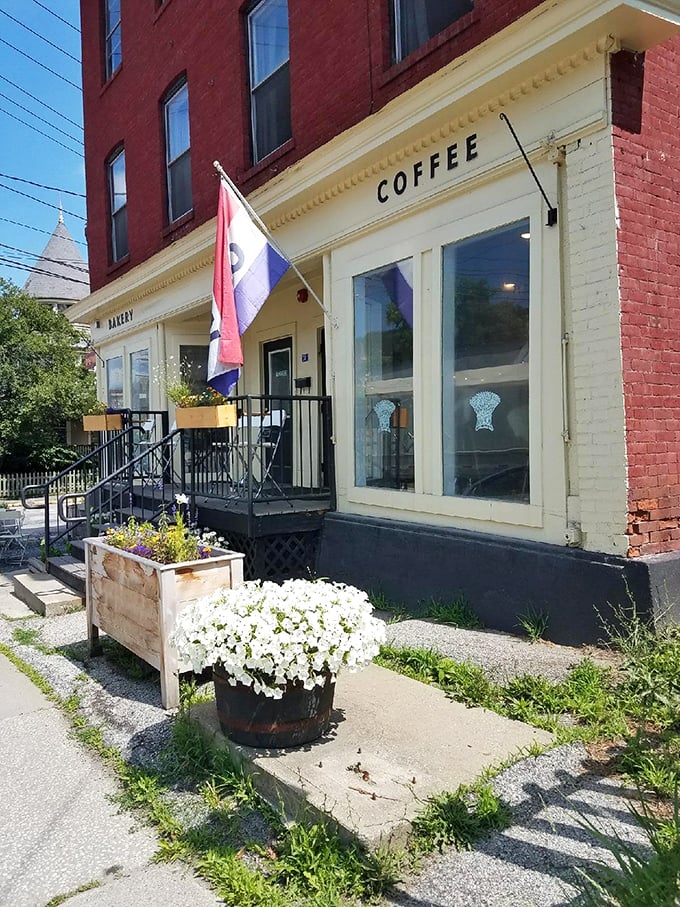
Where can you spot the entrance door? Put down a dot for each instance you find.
(278, 384)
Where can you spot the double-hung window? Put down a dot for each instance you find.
(414, 22)
(269, 76)
(113, 48)
(118, 206)
(178, 152)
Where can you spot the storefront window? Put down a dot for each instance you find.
(485, 366)
(194, 360)
(139, 380)
(114, 382)
(383, 349)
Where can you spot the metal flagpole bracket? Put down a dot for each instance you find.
(254, 215)
(552, 211)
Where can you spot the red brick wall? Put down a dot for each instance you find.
(646, 118)
(341, 72)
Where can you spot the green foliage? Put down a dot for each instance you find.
(62, 898)
(167, 543)
(42, 380)
(534, 623)
(458, 612)
(459, 819)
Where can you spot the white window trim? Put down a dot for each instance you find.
(109, 30)
(257, 156)
(114, 251)
(181, 86)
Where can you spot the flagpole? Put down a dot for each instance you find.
(255, 216)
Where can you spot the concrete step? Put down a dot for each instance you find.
(46, 595)
(68, 570)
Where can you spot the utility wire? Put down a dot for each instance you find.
(69, 263)
(42, 37)
(20, 266)
(47, 10)
(33, 98)
(41, 202)
(42, 119)
(17, 223)
(35, 129)
(18, 179)
(42, 65)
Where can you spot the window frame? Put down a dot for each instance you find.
(171, 96)
(257, 154)
(115, 212)
(397, 52)
(109, 31)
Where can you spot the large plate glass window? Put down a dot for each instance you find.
(414, 22)
(139, 380)
(485, 367)
(194, 366)
(269, 76)
(383, 350)
(178, 152)
(114, 382)
(112, 36)
(118, 205)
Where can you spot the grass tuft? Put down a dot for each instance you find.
(458, 613)
(459, 819)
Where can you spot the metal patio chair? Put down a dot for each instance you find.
(12, 541)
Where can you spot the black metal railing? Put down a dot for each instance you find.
(280, 449)
(143, 487)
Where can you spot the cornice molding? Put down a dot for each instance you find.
(604, 45)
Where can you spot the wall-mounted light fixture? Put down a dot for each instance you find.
(302, 294)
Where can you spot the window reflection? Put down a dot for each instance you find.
(383, 319)
(485, 368)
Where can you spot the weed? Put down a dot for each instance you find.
(28, 636)
(457, 613)
(37, 679)
(459, 818)
(534, 623)
(61, 898)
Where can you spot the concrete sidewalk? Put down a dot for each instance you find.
(60, 828)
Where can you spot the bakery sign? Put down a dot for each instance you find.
(117, 321)
(428, 169)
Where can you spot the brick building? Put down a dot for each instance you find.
(504, 386)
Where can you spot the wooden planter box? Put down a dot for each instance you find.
(222, 416)
(104, 422)
(136, 601)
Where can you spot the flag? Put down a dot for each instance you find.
(247, 268)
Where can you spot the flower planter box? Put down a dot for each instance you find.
(222, 416)
(103, 422)
(136, 601)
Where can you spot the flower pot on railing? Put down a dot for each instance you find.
(220, 416)
(103, 422)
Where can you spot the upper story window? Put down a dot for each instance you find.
(118, 206)
(112, 35)
(178, 152)
(414, 22)
(269, 76)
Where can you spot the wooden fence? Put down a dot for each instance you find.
(11, 485)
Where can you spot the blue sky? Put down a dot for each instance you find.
(24, 152)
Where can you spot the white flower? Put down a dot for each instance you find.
(265, 635)
(181, 499)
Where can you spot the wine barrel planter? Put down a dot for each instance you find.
(254, 719)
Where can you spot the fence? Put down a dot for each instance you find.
(10, 486)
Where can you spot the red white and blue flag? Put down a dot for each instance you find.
(247, 268)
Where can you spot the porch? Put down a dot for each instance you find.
(263, 483)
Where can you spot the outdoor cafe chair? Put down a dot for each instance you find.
(12, 541)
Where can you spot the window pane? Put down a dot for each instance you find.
(114, 382)
(485, 368)
(177, 123)
(383, 350)
(416, 21)
(118, 187)
(268, 37)
(139, 380)
(119, 234)
(271, 113)
(114, 52)
(194, 364)
(118, 206)
(179, 176)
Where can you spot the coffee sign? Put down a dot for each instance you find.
(426, 170)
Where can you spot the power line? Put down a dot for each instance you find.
(42, 65)
(18, 179)
(17, 223)
(70, 25)
(20, 266)
(42, 119)
(79, 266)
(41, 202)
(42, 37)
(39, 131)
(33, 98)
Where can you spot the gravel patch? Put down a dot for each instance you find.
(501, 655)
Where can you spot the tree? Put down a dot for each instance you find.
(42, 381)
